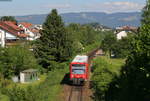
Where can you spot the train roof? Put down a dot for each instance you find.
(81, 59)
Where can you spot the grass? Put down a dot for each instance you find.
(11, 85)
(56, 86)
(113, 65)
(3, 98)
(25, 85)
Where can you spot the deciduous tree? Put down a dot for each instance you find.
(13, 60)
(146, 13)
(8, 18)
(133, 84)
(109, 42)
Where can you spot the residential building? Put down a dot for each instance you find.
(127, 28)
(39, 27)
(10, 33)
(124, 30)
(27, 27)
(121, 34)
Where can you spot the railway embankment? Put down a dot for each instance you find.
(105, 71)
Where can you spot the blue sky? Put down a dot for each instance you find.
(26, 7)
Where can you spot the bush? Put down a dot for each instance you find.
(105, 70)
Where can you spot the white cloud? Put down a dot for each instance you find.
(116, 6)
(58, 6)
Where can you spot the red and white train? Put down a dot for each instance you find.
(79, 69)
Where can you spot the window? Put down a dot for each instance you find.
(78, 71)
(78, 65)
(78, 68)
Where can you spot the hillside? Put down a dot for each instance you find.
(110, 20)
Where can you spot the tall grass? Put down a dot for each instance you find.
(3, 98)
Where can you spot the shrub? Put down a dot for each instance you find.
(105, 70)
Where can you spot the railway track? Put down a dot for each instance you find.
(76, 93)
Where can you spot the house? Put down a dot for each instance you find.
(127, 28)
(36, 32)
(102, 28)
(121, 34)
(27, 29)
(31, 30)
(10, 33)
(39, 27)
(122, 31)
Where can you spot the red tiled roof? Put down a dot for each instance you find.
(128, 28)
(35, 30)
(23, 35)
(13, 25)
(26, 24)
(12, 28)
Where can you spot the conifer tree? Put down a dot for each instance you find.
(54, 44)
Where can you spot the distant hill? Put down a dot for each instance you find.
(110, 20)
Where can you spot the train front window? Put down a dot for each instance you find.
(78, 68)
(78, 71)
(78, 65)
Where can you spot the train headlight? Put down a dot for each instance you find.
(72, 76)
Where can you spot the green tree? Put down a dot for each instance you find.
(8, 18)
(133, 84)
(146, 13)
(16, 59)
(74, 31)
(137, 66)
(83, 36)
(89, 35)
(54, 44)
(108, 43)
(123, 47)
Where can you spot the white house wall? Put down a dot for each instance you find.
(5, 35)
(2, 38)
(27, 31)
(121, 34)
(10, 36)
(22, 77)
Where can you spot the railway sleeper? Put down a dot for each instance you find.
(78, 81)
